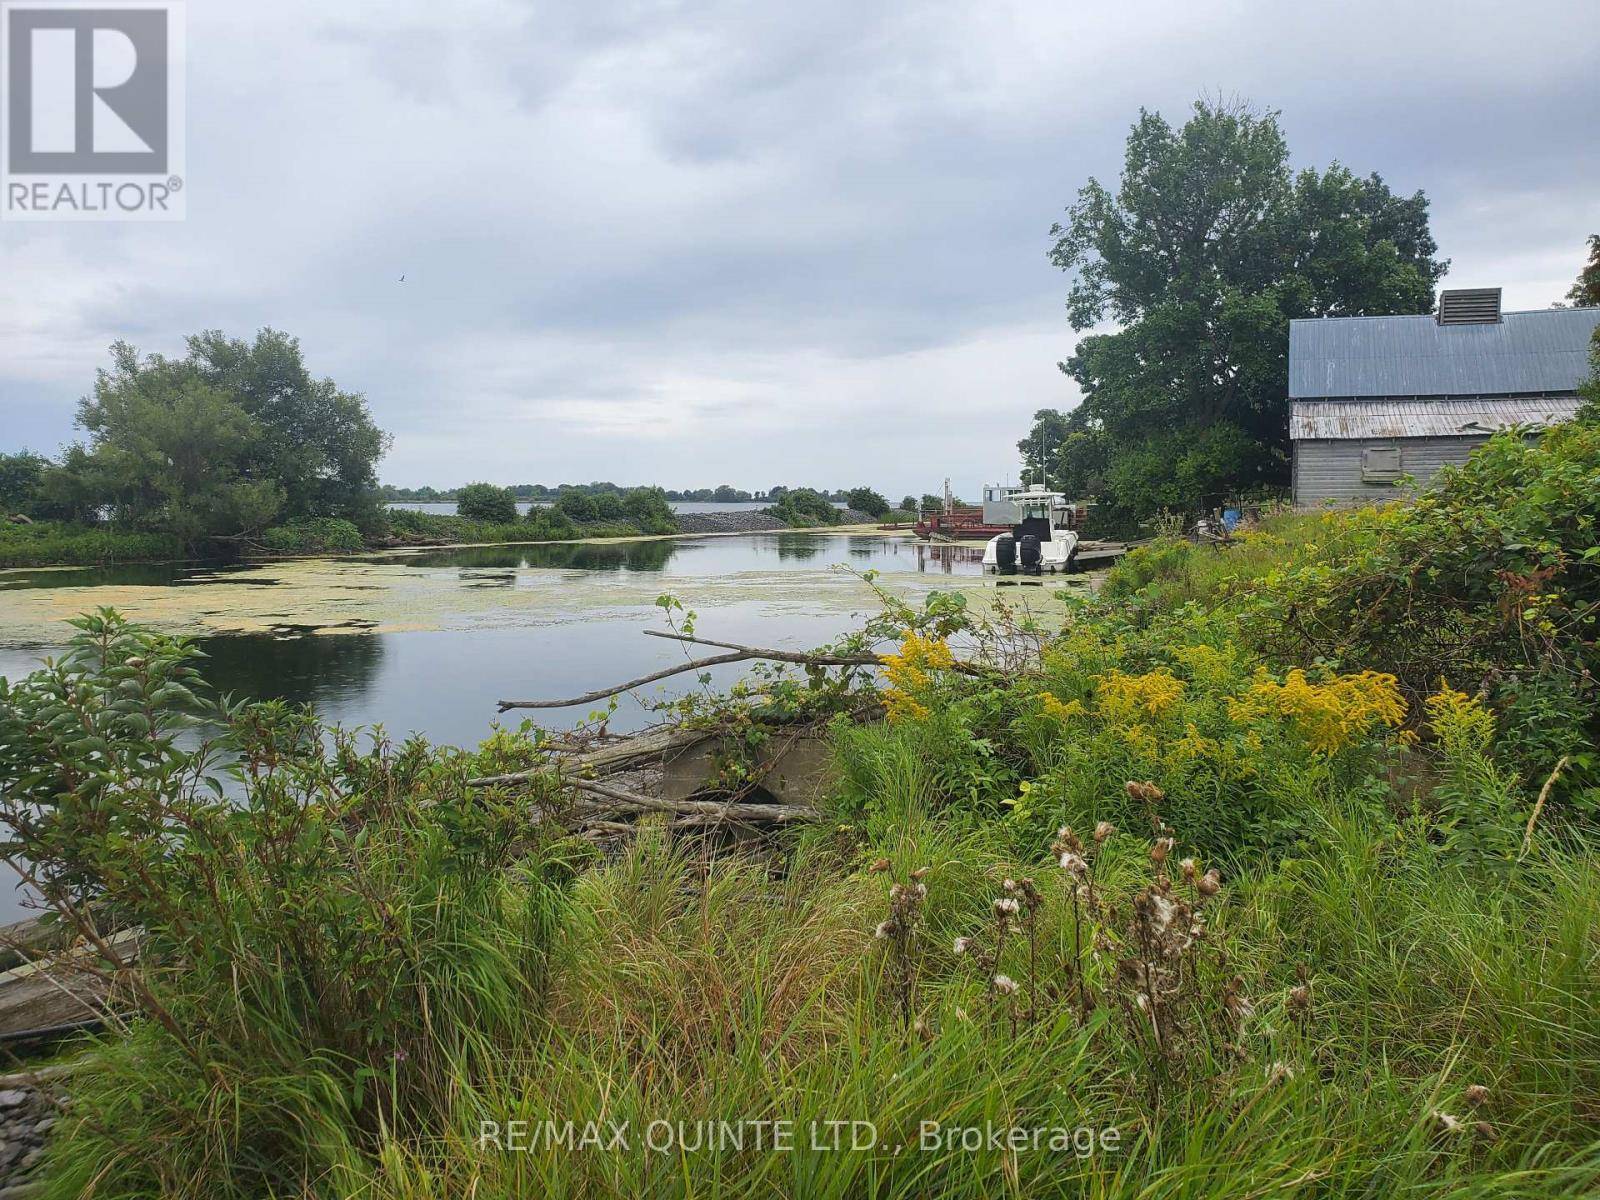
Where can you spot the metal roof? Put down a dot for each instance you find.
(1341, 419)
(1543, 350)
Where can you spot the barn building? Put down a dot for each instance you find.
(1376, 398)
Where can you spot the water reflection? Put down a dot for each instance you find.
(327, 670)
(565, 556)
(707, 556)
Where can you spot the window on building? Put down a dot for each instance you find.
(1380, 464)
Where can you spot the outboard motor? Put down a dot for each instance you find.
(1028, 551)
(1005, 554)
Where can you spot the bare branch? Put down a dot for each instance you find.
(605, 693)
(739, 654)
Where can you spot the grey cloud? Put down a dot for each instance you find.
(748, 242)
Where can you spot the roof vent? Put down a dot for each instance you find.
(1470, 306)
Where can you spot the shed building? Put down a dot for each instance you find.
(1373, 399)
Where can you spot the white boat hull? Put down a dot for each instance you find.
(1054, 556)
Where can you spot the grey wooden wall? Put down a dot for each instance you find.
(1327, 470)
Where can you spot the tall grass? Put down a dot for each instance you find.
(59, 543)
(685, 994)
(1307, 949)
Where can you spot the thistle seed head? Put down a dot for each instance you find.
(1074, 865)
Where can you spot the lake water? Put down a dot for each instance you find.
(427, 641)
(448, 507)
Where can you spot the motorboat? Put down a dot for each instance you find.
(1041, 541)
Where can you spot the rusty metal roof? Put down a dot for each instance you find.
(1542, 350)
(1341, 419)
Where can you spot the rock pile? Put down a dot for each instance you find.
(728, 522)
(29, 1106)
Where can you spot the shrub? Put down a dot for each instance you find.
(316, 535)
(338, 940)
(864, 499)
(579, 506)
(803, 507)
(548, 523)
(485, 502)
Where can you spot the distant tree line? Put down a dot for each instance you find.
(539, 493)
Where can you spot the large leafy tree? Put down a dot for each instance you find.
(1586, 292)
(221, 442)
(1208, 248)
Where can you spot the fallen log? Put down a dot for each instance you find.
(621, 801)
(63, 990)
(651, 747)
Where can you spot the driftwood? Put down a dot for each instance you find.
(62, 990)
(621, 801)
(623, 754)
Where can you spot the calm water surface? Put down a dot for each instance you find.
(524, 622)
(447, 508)
(480, 624)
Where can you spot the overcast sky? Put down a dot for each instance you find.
(755, 243)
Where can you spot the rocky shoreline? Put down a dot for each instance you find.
(30, 1104)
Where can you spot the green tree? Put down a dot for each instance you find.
(169, 450)
(1207, 250)
(486, 502)
(908, 503)
(864, 499)
(1586, 292)
(20, 476)
(317, 442)
(219, 443)
(1040, 447)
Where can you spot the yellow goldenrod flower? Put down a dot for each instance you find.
(1328, 716)
(1125, 699)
